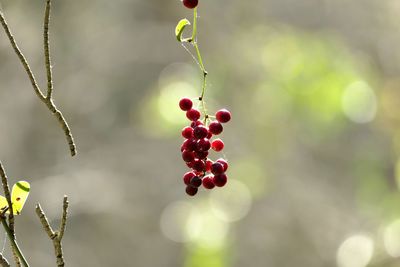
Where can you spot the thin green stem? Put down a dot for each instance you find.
(201, 64)
(14, 242)
(194, 33)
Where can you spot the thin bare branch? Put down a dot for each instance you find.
(48, 98)
(45, 223)
(55, 236)
(47, 49)
(6, 188)
(10, 227)
(63, 223)
(4, 261)
(21, 57)
(16, 250)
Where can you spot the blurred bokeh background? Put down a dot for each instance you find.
(314, 144)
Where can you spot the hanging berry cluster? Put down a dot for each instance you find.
(199, 134)
(195, 149)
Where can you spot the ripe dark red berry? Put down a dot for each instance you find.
(198, 165)
(190, 144)
(195, 181)
(201, 154)
(203, 144)
(224, 163)
(200, 132)
(220, 180)
(190, 3)
(187, 177)
(217, 168)
(193, 114)
(217, 145)
(191, 191)
(187, 156)
(208, 182)
(196, 123)
(185, 104)
(223, 115)
(189, 164)
(215, 127)
(187, 132)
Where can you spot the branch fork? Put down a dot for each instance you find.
(47, 98)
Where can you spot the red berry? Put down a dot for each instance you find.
(193, 114)
(208, 165)
(201, 154)
(217, 145)
(198, 165)
(189, 164)
(217, 168)
(220, 180)
(187, 132)
(223, 115)
(203, 144)
(209, 135)
(200, 132)
(208, 182)
(196, 123)
(187, 177)
(190, 3)
(195, 181)
(189, 145)
(224, 163)
(191, 191)
(215, 127)
(187, 156)
(185, 104)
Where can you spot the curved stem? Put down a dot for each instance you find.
(201, 64)
(14, 243)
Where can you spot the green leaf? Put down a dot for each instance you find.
(179, 29)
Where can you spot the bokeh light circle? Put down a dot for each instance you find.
(359, 102)
(181, 222)
(232, 203)
(391, 238)
(355, 251)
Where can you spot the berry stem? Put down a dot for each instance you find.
(201, 64)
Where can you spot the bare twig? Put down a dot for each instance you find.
(46, 99)
(4, 261)
(47, 49)
(18, 256)
(16, 249)
(6, 188)
(55, 236)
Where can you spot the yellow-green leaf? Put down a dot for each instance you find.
(19, 194)
(180, 27)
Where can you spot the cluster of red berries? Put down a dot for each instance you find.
(196, 147)
(190, 3)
